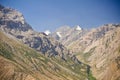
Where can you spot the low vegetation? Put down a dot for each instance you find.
(27, 62)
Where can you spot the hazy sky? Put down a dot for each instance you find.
(50, 14)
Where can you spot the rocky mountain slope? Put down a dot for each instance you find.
(49, 60)
(13, 23)
(97, 47)
(19, 62)
(68, 34)
(104, 54)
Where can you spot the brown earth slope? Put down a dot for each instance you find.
(19, 62)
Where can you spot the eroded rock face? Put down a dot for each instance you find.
(13, 22)
(98, 47)
(77, 41)
(44, 44)
(105, 52)
(69, 36)
(12, 19)
(102, 53)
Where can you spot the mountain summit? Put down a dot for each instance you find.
(12, 20)
(78, 28)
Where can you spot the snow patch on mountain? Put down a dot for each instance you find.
(58, 34)
(47, 32)
(78, 28)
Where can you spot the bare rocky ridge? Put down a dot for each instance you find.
(103, 54)
(68, 34)
(99, 48)
(82, 38)
(13, 22)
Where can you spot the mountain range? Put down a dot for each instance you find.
(66, 54)
(30, 55)
(98, 47)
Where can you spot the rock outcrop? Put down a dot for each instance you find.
(98, 47)
(68, 34)
(103, 54)
(13, 22)
(20, 62)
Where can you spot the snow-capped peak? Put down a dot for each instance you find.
(78, 28)
(47, 32)
(58, 34)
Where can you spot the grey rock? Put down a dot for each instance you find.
(13, 22)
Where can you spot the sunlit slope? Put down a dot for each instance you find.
(103, 55)
(19, 62)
